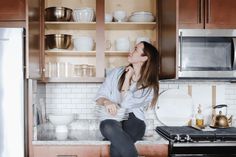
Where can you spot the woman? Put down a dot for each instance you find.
(134, 87)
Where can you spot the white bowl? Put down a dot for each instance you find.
(119, 15)
(141, 18)
(139, 39)
(61, 119)
(83, 43)
(83, 14)
(108, 17)
(122, 44)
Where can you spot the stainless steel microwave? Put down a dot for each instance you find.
(207, 53)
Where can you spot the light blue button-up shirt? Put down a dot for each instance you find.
(136, 101)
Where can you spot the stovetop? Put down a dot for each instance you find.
(189, 134)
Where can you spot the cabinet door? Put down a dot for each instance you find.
(191, 14)
(12, 10)
(220, 14)
(33, 53)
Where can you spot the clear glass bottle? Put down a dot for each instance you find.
(199, 118)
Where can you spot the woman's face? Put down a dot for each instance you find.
(135, 56)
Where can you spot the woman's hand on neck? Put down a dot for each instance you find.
(137, 67)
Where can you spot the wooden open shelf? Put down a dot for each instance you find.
(71, 25)
(69, 53)
(130, 25)
(76, 79)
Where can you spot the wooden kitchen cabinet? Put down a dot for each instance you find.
(207, 14)
(102, 58)
(12, 10)
(69, 151)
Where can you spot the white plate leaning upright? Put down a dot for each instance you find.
(174, 107)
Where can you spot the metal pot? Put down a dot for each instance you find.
(59, 41)
(220, 120)
(58, 14)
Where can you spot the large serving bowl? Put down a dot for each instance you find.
(60, 121)
(83, 15)
(83, 43)
(58, 14)
(58, 41)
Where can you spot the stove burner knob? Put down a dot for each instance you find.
(188, 138)
(177, 138)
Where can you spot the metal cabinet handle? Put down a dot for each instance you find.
(180, 51)
(200, 11)
(208, 11)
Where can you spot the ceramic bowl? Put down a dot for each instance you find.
(84, 15)
(61, 119)
(83, 43)
(119, 15)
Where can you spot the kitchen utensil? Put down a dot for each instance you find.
(58, 14)
(84, 14)
(58, 41)
(220, 120)
(174, 107)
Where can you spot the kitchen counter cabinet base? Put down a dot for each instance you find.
(152, 150)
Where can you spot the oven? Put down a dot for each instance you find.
(185, 141)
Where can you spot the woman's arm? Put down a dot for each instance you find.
(110, 106)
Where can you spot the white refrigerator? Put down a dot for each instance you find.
(12, 92)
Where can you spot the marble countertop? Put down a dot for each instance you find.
(91, 137)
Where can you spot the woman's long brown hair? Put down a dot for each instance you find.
(149, 72)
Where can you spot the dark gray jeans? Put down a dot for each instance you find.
(123, 135)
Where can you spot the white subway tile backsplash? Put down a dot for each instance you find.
(77, 98)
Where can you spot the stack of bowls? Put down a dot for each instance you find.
(83, 15)
(141, 16)
(58, 14)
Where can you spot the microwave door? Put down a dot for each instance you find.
(202, 56)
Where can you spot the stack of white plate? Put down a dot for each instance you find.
(102, 114)
(141, 16)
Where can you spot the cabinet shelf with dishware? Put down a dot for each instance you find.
(125, 26)
(107, 29)
(70, 41)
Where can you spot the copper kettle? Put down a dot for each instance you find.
(220, 120)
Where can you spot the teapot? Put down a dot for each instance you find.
(220, 119)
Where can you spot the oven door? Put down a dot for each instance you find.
(203, 149)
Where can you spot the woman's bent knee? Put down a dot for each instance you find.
(108, 126)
